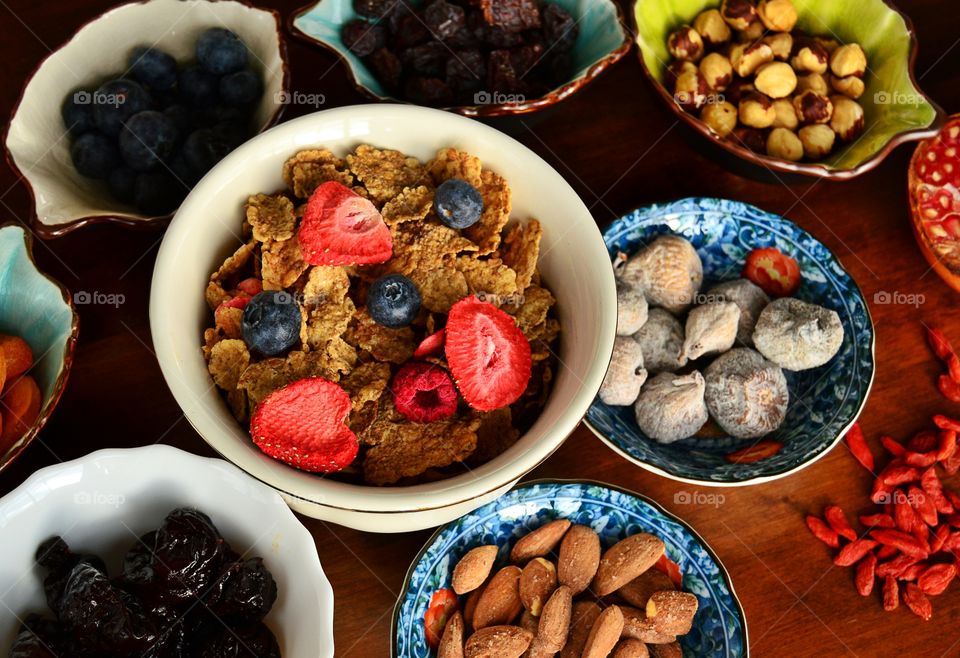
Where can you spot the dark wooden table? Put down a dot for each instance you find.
(619, 149)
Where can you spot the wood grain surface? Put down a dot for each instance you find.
(619, 149)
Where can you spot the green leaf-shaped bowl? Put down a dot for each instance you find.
(896, 109)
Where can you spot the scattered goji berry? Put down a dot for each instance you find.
(906, 544)
(923, 504)
(940, 537)
(838, 521)
(886, 552)
(953, 366)
(891, 593)
(757, 452)
(911, 573)
(924, 441)
(953, 497)
(900, 474)
(866, 574)
(905, 518)
(920, 459)
(877, 521)
(922, 534)
(935, 580)
(893, 446)
(882, 492)
(950, 388)
(953, 542)
(946, 423)
(918, 602)
(947, 445)
(858, 446)
(854, 552)
(895, 566)
(939, 343)
(951, 464)
(823, 532)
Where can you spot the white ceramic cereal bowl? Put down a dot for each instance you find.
(102, 502)
(574, 264)
(38, 146)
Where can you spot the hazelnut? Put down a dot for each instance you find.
(749, 138)
(738, 89)
(739, 14)
(776, 80)
(675, 69)
(812, 107)
(847, 120)
(812, 82)
(756, 111)
(691, 90)
(721, 118)
(786, 115)
(784, 144)
(778, 15)
(850, 86)
(829, 44)
(717, 71)
(848, 60)
(712, 28)
(752, 33)
(685, 44)
(810, 57)
(817, 140)
(781, 43)
(747, 58)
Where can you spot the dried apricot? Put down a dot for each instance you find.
(17, 355)
(21, 406)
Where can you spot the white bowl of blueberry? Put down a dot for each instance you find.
(122, 121)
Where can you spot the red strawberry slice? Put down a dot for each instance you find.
(432, 345)
(340, 227)
(252, 286)
(488, 354)
(302, 424)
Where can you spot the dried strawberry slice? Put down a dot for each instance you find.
(488, 354)
(340, 227)
(302, 424)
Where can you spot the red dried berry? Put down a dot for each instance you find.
(251, 286)
(838, 521)
(923, 441)
(858, 446)
(866, 574)
(903, 514)
(906, 544)
(945, 423)
(886, 552)
(871, 521)
(940, 537)
(891, 594)
(757, 452)
(854, 552)
(896, 566)
(947, 445)
(432, 345)
(918, 602)
(911, 573)
(424, 393)
(923, 504)
(900, 474)
(823, 532)
(949, 388)
(935, 580)
(893, 446)
(940, 344)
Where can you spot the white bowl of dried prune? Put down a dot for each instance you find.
(154, 552)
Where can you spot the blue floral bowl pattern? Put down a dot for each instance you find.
(824, 402)
(719, 629)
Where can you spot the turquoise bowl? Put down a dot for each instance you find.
(603, 40)
(719, 628)
(40, 310)
(824, 401)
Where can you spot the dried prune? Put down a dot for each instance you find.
(512, 15)
(53, 553)
(138, 562)
(428, 91)
(559, 28)
(256, 641)
(56, 581)
(189, 554)
(426, 60)
(362, 38)
(39, 638)
(245, 592)
(374, 8)
(443, 18)
(387, 67)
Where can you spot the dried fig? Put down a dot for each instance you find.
(796, 335)
(671, 407)
(668, 271)
(661, 342)
(711, 328)
(746, 394)
(749, 298)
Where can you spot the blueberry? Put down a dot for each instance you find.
(198, 87)
(158, 193)
(234, 133)
(203, 149)
(181, 170)
(458, 203)
(152, 67)
(241, 88)
(94, 155)
(208, 117)
(393, 301)
(221, 51)
(147, 138)
(122, 182)
(115, 102)
(180, 116)
(271, 323)
(77, 112)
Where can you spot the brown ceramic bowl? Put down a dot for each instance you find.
(603, 40)
(896, 111)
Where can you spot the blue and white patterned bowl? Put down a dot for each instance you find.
(719, 629)
(824, 402)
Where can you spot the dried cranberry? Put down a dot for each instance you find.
(387, 67)
(466, 70)
(427, 60)
(560, 28)
(444, 19)
(512, 15)
(428, 91)
(525, 58)
(501, 76)
(407, 28)
(499, 38)
(373, 8)
(362, 38)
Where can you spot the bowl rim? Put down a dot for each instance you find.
(723, 572)
(127, 219)
(759, 479)
(322, 585)
(549, 99)
(68, 354)
(391, 499)
(815, 170)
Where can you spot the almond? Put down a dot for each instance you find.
(584, 614)
(451, 642)
(638, 590)
(473, 568)
(555, 620)
(605, 633)
(539, 650)
(637, 626)
(537, 582)
(500, 602)
(498, 642)
(671, 650)
(626, 560)
(579, 558)
(672, 612)
(539, 542)
(630, 648)
(528, 622)
(470, 606)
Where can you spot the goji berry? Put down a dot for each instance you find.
(906, 544)
(866, 574)
(891, 593)
(892, 446)
(951, 464)
(886, 552)
(854, 552)
(949, 388)
(924, 441)
(877, 521)
(823, 532)
(923, 504)
(757, 452)
(920, 459)
(903, 515)
(954, 520)
(947, 445)
(882, 492)
(922, 534)
(946, 423)
(953, 366)
(858, 446)
(953, 542)
(911, 573)
(930, 482)
(838, 521)
(918, 602)
(943, 505)
(895, 566)
(939, 343)
(900, 474)
(940, 537)
(935, 580)
(953, 497)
